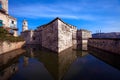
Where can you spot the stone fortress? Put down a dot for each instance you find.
(56, 35)
(6, 21)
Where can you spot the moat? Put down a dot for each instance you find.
(35, 63)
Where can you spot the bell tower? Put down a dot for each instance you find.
(24, 25)
(4, 6)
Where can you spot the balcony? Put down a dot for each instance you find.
(13, 26)
(1, 9)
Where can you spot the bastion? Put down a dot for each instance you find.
(56, 35)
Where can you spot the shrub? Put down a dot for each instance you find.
(4, 36)
(3, 31)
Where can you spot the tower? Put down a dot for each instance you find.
(24, 25)
(4, 6)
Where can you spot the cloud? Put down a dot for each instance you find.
(81, 10)
(47, 11)
(105, 13)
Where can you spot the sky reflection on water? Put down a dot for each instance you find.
(37, 64)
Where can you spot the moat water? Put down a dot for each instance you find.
(35, 63)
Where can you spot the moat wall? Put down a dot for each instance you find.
(9, 46)
(110, 45)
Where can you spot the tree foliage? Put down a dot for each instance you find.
(6, 36)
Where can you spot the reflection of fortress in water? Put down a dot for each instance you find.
(56, 64)
(49, 65)
(112, 59)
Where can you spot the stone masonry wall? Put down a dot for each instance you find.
(31, 37)
(9, 46)
(65, 36)
(49, 36)
(57, 36)
(82, 39)
(111, 45)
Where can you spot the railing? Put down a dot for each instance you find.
(13, 26)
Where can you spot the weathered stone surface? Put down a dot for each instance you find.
(65, 36)
(111, 45)
(31, 37)
(9, 46)
(82, 38)
(56, 36)
(49, 36)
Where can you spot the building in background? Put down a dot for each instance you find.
(24, 25)
(6, 21)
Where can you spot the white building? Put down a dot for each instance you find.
(6, 21)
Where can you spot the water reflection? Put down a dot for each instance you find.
(110, 58)
(37, 63)
(80, 47)
(92, 67)
(9, 63)
(56, 64)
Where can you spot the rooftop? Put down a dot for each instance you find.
(57, 18)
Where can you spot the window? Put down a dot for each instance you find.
(33, 38)
(1, 23)
(12, 22)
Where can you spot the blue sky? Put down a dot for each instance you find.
(93, 15)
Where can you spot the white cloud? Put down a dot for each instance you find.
(37, 11)
(105, 13)
(81, 10)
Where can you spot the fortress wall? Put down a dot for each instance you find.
(9, 46)
(110, 45)
(64, 36)
(49, 36)
(82, 39)
(32, 37)
(57, 36)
